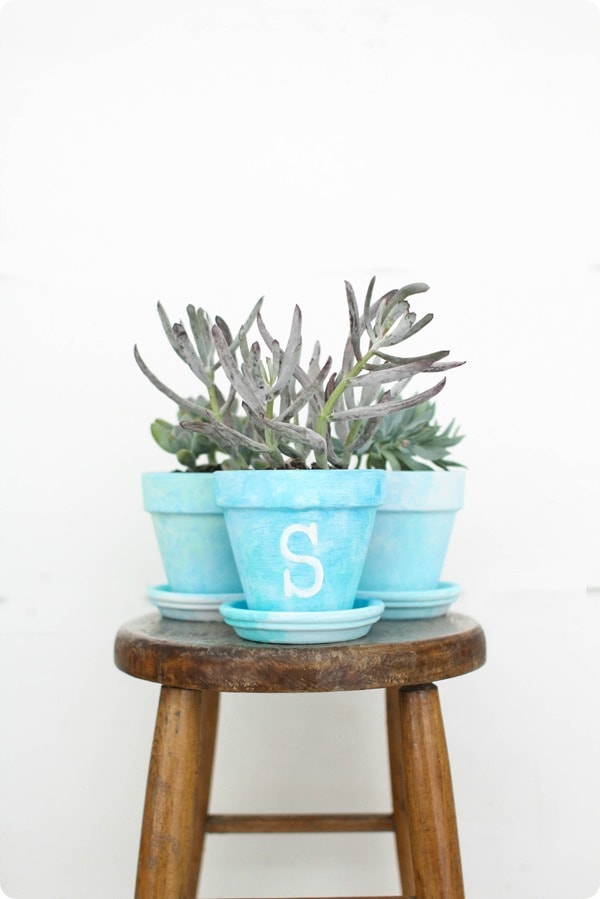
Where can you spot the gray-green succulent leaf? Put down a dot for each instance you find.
(380, 409)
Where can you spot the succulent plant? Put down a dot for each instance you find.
(412, 440)
(274, 390)
(195, 451)
(200, 356)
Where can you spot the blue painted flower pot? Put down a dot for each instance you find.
(412, 532)
(191, 534)
(299, 538)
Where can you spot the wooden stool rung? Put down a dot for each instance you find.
(351, 823)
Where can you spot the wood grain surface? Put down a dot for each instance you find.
(210, 656)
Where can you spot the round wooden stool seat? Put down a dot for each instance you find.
(210, 656)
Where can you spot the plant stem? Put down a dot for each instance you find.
(270, 438)
(323, 417)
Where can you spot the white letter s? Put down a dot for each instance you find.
(289, 588)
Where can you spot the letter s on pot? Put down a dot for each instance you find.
(289, 588)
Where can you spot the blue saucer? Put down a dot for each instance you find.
(302, 627)
(414, 604)
(189, 606)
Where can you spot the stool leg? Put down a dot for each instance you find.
(177, 795)
(209, 713)
(407, 878)
(431, 813)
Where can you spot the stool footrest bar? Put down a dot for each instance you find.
(360, 823)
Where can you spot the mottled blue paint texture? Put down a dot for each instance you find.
(302, 627)
(191, 533)
(299, 538)
(412, 531)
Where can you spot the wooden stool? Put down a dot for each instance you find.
(195, 661)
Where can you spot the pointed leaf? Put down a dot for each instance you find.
(266, 336)
(354, 320)
(226, 435)
(200, 327)
(418, 325)
(347, 360)
(403, 360)
(366, 319)
(247, 324)
(330, 386)
(189, 354)
(386, 374)
(314, 365)
(291, 354)
(306, 394)
(244, 348)
(385, 408)
(365, 437)
(167, 327)
(445, 366)
(236, 379)
(225, 330)
(299, 433)
(254, 371)
(276, 359)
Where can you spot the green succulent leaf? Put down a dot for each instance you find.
(411, 440)
(162, 432)
(187, 458)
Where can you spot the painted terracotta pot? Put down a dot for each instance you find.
(299, 538)
(191, 533)
(412, 532)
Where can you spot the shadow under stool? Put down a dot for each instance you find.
(196, 661)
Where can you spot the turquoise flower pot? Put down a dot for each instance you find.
(299, 538)
(412, 532)
(191, 534)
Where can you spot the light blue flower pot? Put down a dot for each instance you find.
(191, 534)
(299, 537)
(412, 531)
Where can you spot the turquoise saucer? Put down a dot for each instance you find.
(302, 627)
(414, 604)
(189, 606)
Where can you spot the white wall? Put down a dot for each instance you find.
(212, 152)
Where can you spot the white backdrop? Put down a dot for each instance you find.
(214, 152)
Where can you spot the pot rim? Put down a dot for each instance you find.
(300, 489)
